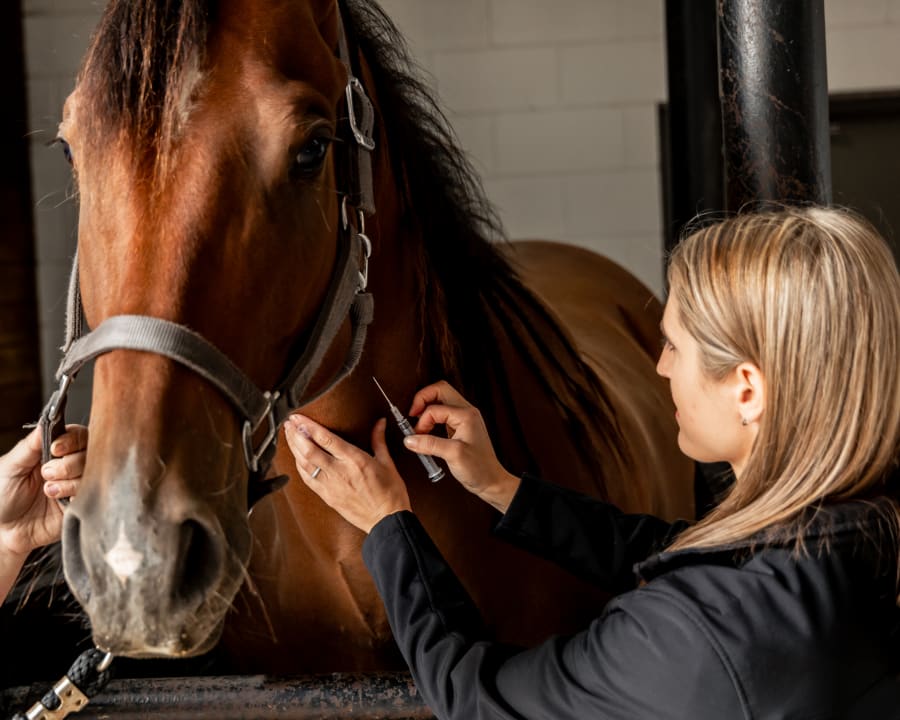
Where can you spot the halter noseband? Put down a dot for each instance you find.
(346, 296)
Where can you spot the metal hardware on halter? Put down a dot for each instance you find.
(361, 234)
(355, 88)
(56, 401)
(251, 456)
(53, 422)
(364, 273)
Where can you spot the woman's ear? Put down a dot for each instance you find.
(750, 390)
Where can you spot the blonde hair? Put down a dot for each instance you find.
(811, 296)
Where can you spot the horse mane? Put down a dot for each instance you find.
(139, 73)
(469, 291)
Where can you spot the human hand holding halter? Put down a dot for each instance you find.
(363, 489)
(467, 449)
(30, 515)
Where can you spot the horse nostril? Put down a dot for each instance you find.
(199, 564)
(73, 559)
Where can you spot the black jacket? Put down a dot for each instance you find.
(733, 632)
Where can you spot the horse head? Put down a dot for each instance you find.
(210, 142)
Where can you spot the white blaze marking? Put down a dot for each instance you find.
(122, 557)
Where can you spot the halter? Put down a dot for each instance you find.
(346, 297)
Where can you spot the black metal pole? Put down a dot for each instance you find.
(693, 160)
(774, 88)
(692, 118)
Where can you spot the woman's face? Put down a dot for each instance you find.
(707, 411)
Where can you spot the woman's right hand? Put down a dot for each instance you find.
(467, 449)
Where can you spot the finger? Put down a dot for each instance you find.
(454, 417)
(307, 455)
(444, 448)
(67, 467)
(439, 392)
(73, 440)
(57, 489)
(327, 440)
(25, 454)
(379, 444)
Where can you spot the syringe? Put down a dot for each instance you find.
(435, 472)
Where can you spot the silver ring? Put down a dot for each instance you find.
(315, 473)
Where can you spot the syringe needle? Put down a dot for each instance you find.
(383, 392)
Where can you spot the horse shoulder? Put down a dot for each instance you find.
(613, 321)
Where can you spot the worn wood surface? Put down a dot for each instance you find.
(375, 696)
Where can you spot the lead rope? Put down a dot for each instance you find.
(88, 675)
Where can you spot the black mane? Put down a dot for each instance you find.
(469, 290)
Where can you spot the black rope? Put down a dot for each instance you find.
(84, 674)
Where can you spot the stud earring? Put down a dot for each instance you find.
(744, 421)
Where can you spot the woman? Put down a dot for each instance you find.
(30, 515)
(782, 342)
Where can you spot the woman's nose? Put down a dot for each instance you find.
(662, 365)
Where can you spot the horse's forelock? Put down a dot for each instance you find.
(140, 71)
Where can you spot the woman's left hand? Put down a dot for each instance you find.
(363, 489)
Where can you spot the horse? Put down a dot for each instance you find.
(240, 165)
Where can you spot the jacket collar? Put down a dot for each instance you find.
(850, 523)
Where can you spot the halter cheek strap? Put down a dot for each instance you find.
(345, 298)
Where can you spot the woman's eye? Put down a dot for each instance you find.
(311, 156)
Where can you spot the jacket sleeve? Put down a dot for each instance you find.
(643, 658)
(590, 538)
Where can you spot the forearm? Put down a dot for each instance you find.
(501, 493)
(591, 538)
(435, 624)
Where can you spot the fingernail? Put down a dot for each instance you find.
(411, 441)
(58, 448)
(50, 471)
(51, 489)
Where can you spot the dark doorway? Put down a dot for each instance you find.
(20, 382)
(865, 158)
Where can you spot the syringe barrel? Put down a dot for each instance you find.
(435, 472)
(404, 426)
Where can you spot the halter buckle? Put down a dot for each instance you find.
(364, 273)
(57, 398)
(251, 456)
(355, 89)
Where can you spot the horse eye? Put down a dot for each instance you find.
(67, 150)
(311, 156)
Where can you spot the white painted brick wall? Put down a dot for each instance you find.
(555, 100)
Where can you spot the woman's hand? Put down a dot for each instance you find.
(30, 515)
(363, 489)
(467, 449)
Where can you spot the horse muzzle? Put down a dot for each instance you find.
(152, 586)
